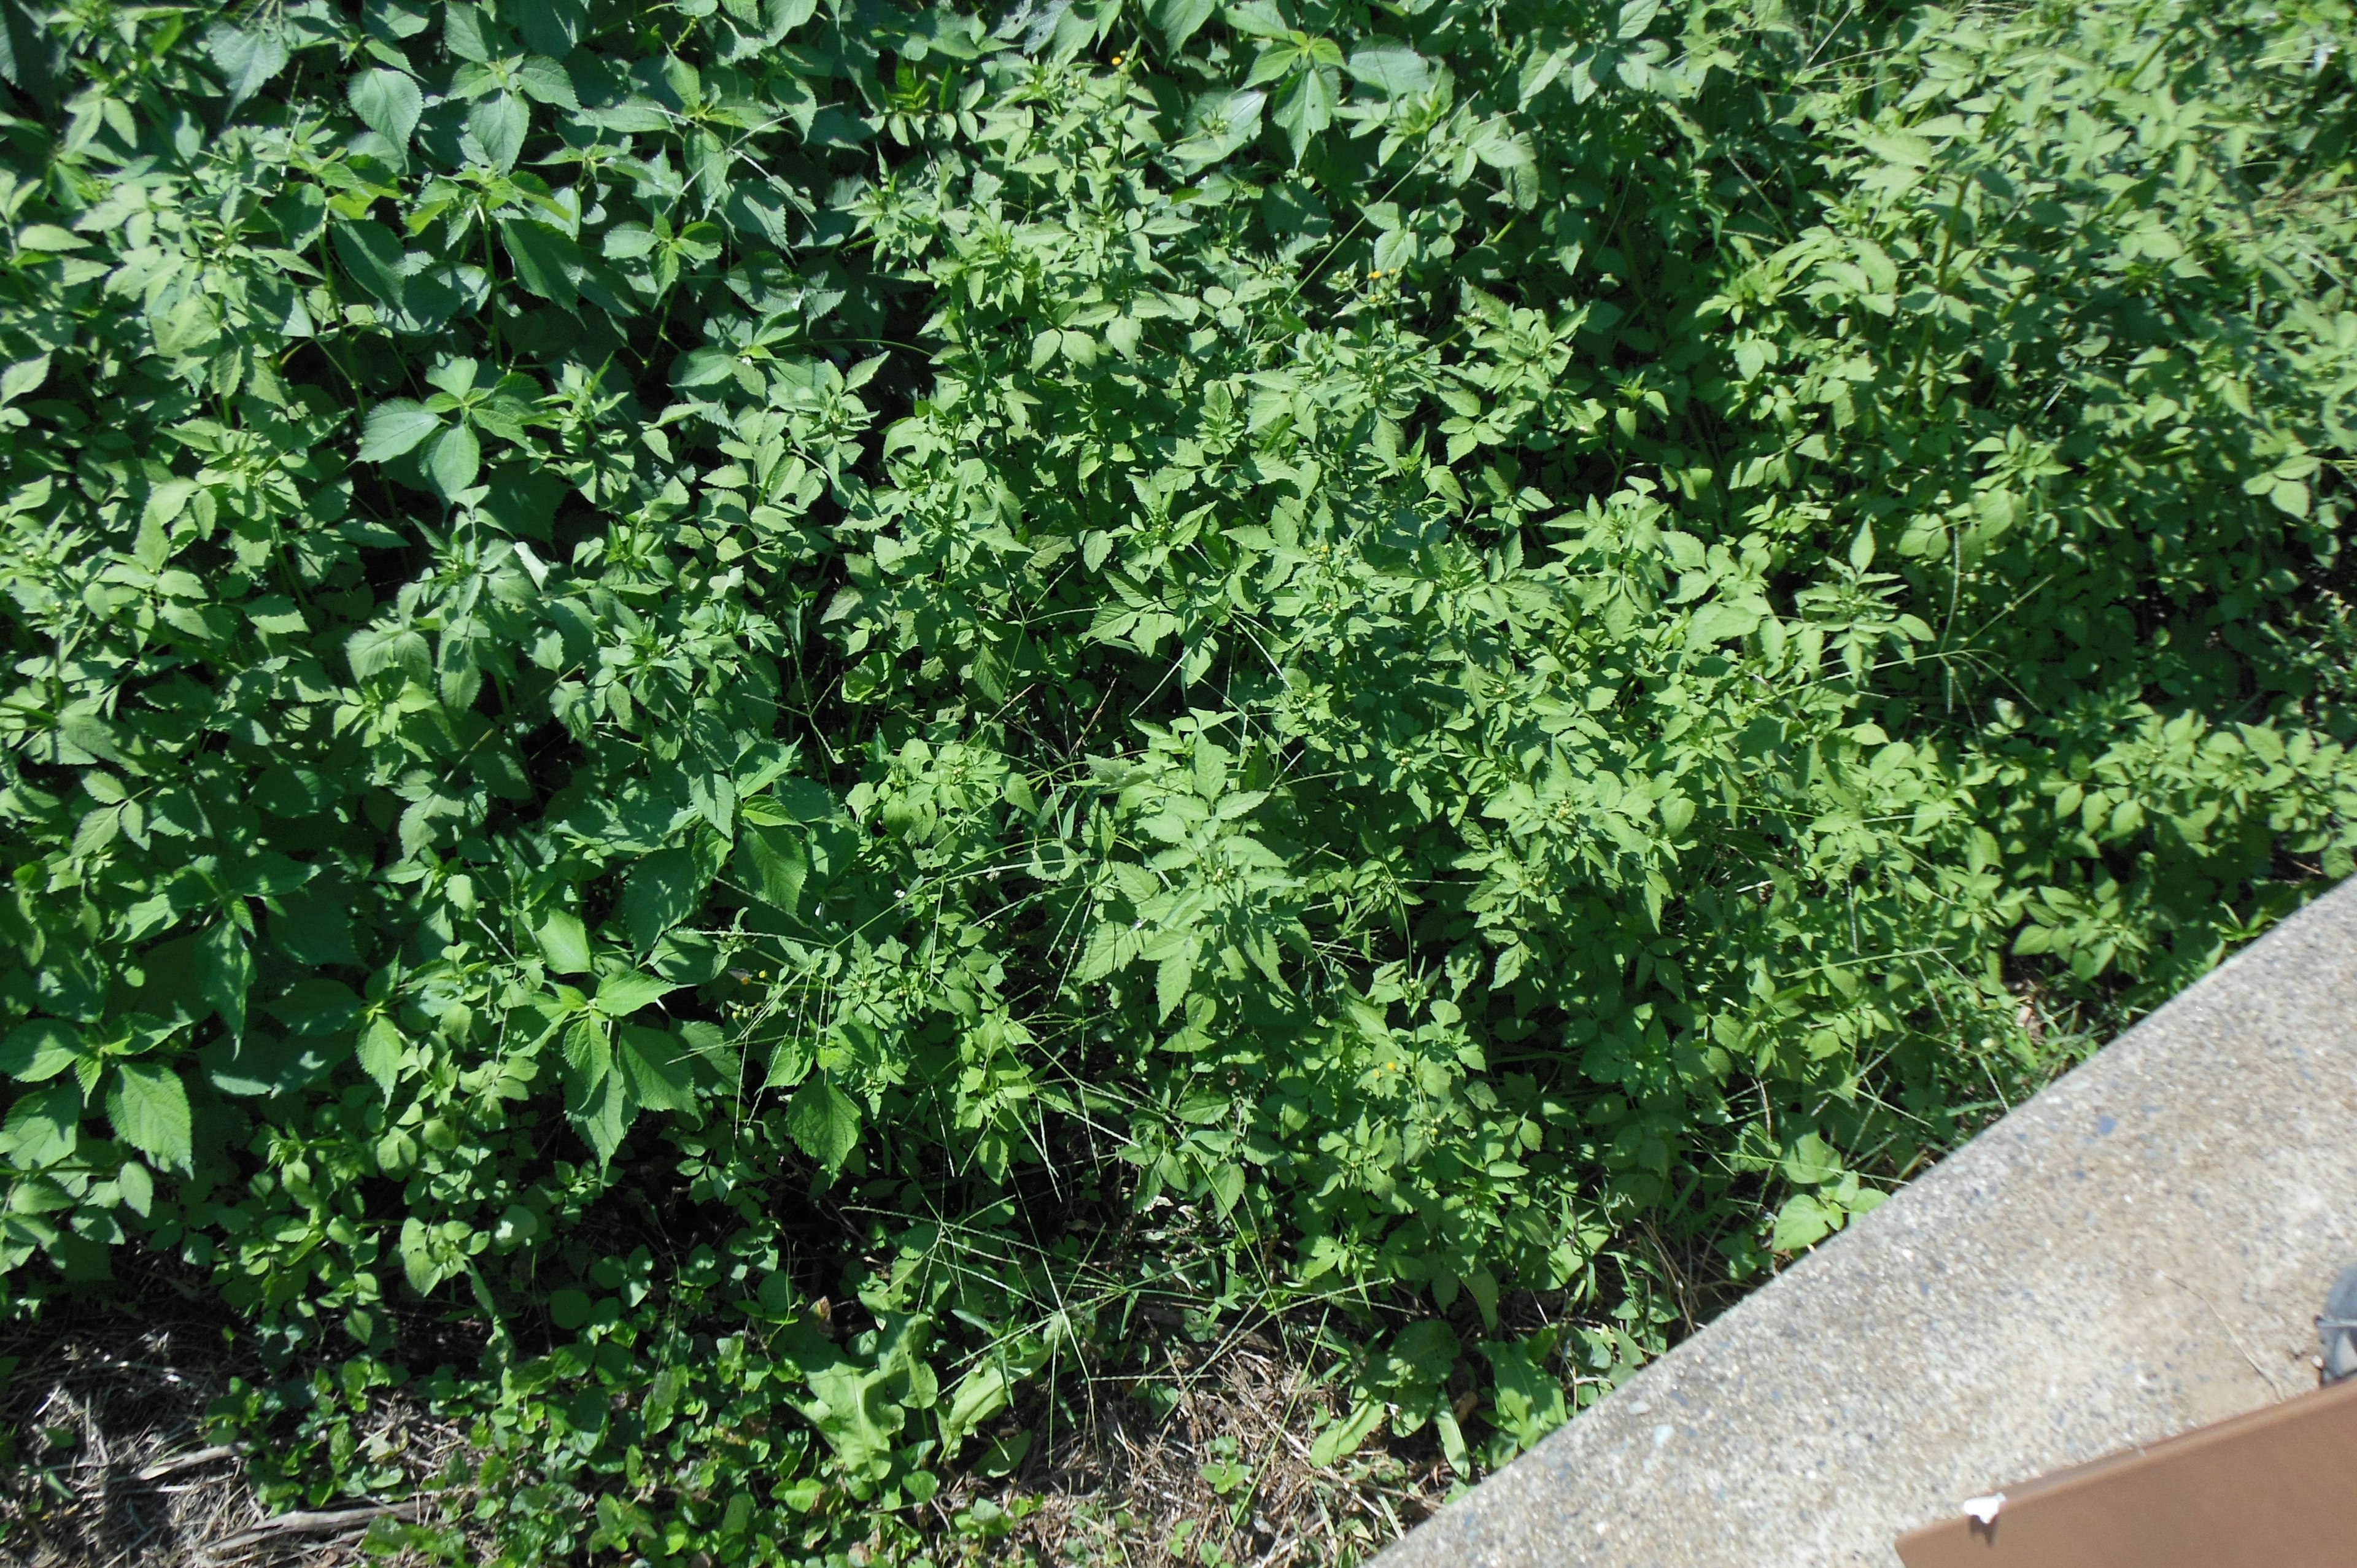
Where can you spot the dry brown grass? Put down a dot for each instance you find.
(112, 1467)
(1222, 1475)
(109, 1467)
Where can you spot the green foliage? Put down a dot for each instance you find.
(680, 661)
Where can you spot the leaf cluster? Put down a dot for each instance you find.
(738, 724)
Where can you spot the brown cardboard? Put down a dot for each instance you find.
(2273, 1489)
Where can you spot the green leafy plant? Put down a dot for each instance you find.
(737, 725)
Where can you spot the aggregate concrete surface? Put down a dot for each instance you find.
(2141, 1248)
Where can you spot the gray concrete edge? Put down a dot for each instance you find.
(2138, 1248)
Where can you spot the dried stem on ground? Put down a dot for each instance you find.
(110, 1469)
(1225, 1477)
(104, 1462)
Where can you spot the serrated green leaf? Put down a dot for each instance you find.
(149, 1108)
(382, 1052)
(825, 1121)
(658, 1069)
(463, 32)
(224, 972)
(137, 1184)
(317, 1007)
(545, 81)
(553, 27)
(1305, 109)
(374, 257)
(374, 649)
(546, 261)
(777, 863)
(620, 995)
(43, 1125)
(40, 1049)
(1172, 978)
(1393, 71)
(1180, 20)
(248, 57)
(23, 377)
(498, 125)
(662, 891)
(394, 427)
(49, 237)
(563, 942)
(1861, 548)
(454, 460)
(388, 103)
(1635, 16)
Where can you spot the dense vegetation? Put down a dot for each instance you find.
(737, 726)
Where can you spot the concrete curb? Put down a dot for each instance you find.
(2139, 1249)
